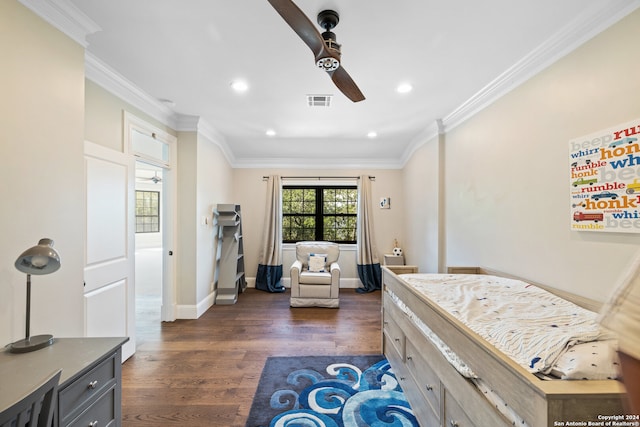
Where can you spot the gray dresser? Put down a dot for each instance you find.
(90, 390)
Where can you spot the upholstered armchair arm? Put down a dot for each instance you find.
(335, 279)
(296, 268)
(294, 274)
(335, 269)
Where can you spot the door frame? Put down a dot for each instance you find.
(169, 206)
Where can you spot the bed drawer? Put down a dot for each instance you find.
(454, 416)
(424, 412)
(424, 376)
(394, 333)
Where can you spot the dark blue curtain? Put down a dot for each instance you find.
(269, 277)
(371, 278)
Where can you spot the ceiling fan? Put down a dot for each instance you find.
(324, 46)
(155, 178)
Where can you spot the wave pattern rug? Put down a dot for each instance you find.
(329, 391)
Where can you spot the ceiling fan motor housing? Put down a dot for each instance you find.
(328, 19)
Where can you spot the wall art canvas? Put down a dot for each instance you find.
(604, 179)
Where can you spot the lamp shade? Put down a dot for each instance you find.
(40, 259)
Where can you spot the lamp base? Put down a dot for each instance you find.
(31, 344)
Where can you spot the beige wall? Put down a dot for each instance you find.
(214, 183)
(104, 117)
(42, 174)
(249, 190)
(204, 180)
(422, 183)
(507, 176)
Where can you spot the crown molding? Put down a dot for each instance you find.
(64, 16)
(187, 123)
(316, 163)
(595, 19)
(430, 132)
(104, 76)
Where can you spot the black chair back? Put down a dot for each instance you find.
(35, 409)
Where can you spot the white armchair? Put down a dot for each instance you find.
(315, 288)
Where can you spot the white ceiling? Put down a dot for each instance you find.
(457, 54)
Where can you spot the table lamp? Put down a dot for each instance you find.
(40, 259)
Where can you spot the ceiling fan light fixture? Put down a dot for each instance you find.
(328, 64)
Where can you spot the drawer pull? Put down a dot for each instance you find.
(402, 378)
(429, 387)
(453, 423)
(409, 358)
(93, 423)
(397, 339)
(92, 385)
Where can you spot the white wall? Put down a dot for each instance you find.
(42, 174)
(249, 190)
(507, 175)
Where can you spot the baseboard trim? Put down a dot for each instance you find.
(195, 311)
(347, 283)
(185, 311)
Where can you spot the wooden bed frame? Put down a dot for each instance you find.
(441, 396)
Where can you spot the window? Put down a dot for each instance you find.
(147, 211)
(319, 213)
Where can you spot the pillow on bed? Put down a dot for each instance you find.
(317, 262)
(597, 360)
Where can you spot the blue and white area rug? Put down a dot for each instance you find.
(329, 391)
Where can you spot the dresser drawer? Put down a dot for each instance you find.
(77, 395)
(454, 415)
(100, 413)
(427, 380)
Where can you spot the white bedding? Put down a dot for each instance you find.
(529, 324)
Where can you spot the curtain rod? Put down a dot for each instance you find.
(372, 178)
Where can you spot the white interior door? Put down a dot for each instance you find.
(109, 272)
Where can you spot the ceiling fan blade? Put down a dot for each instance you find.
(310, 35)
(345, 83)
(299, 22)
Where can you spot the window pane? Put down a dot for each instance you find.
(147, 211)
(335, 222)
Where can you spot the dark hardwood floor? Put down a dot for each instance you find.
(205, 372)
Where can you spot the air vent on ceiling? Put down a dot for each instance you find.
(319, 100)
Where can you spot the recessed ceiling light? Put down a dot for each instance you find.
(404, 88)
(239, 86)
(372, 134)
(270, 132)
